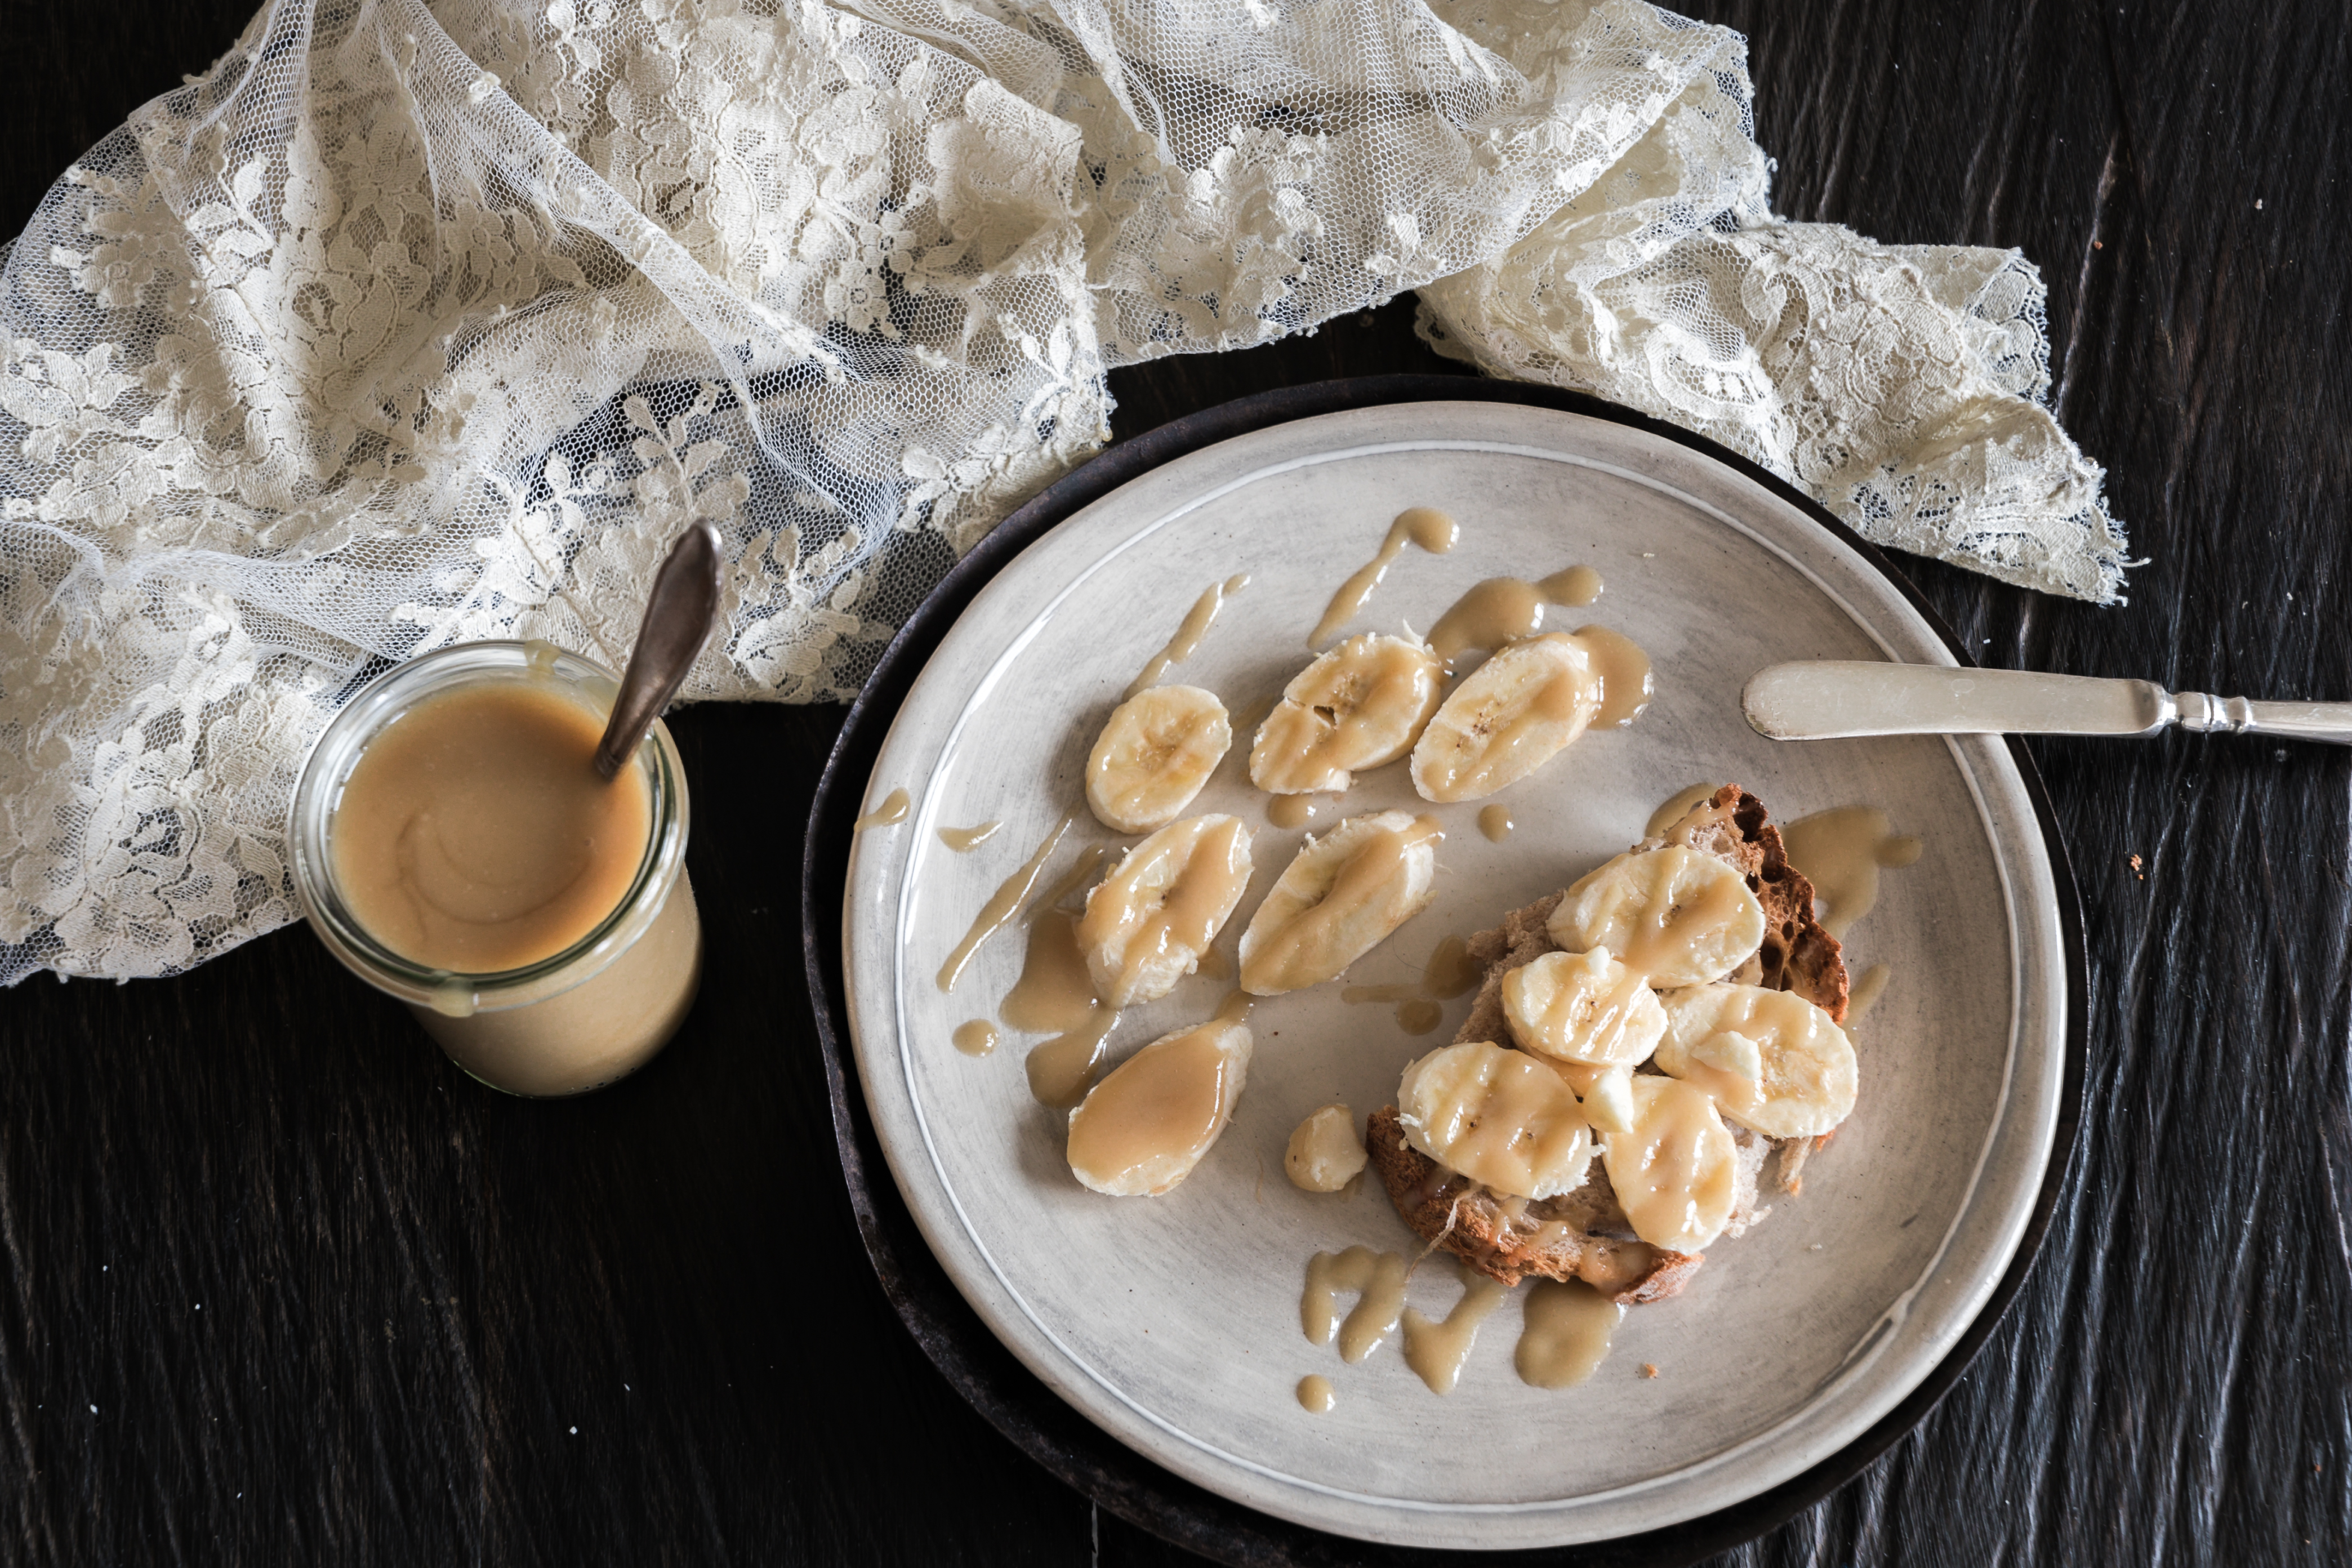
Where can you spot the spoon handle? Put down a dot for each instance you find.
(678, 614)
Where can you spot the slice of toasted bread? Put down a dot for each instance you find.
(1583, 1235)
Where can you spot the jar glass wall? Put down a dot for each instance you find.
(590, 1013)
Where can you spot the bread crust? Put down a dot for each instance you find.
(1584, 1235)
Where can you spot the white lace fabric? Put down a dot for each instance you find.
(406, 326)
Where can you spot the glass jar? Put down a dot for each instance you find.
(575, 1020)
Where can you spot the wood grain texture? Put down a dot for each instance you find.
(331, 1302)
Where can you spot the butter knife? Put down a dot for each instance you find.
(1832, 700)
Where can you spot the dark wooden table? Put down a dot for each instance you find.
(280, 1286)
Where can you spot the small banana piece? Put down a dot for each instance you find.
(1674, 915)
(1510, 716)
(1584, 1007)
(1143, 1127)
(1324, 1154)
(1496, 1115)
(1605, 1093)
(1676, 1170)
(1773, 1061)
(1155, 753)
(1148, 923)
(1340, 899)
(1361, 704)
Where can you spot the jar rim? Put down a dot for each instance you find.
(390, 696)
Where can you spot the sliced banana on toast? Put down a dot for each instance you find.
(1773, 1062)
(1496, 1115)
(1510, 716)
(1143, 1127)
(1676, 1170)
(1340, 899)
(1584, 1007)
(1359, 706)
(1677, 916)
(1148, 923)
(1155, 753)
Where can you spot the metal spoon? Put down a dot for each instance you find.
(678, 614)
(1831, 700)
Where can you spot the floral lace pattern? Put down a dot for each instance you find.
(407, 325)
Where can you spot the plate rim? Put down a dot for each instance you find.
(984, 1371)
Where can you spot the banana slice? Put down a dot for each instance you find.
(1496, 1115)
(1339, 900)
(1156, 752)
(1584, 1007)
(1677, 916)
(1512, 715)
(1143, 1127)
(1676, 1170)
(1324, 1154)
(1361, 705)
(1148, 923)
(1773, 1061)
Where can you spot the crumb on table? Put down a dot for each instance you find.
(1649, 1369)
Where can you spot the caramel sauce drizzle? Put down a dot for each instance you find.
(892, 810)
(1426, 527)
(1189, 632)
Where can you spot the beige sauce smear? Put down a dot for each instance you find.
(1002, 906)
(1841, 851)
(1055, 996)
(963, 840)
(1674, 808)
(892, 810)
(1062, 1069)
(1565, 1333)
(1576, 588)
(1375, 1278)
(1494, 822)
(1424, 526)
(1505, 609)
(975, 1037)
(1419, 1016)
(1625, 679)
(473, 835)
(1055, 991)
(1497, 611)
(1437, 1350)
(1235, 1008)
(1315, 1394)
(1189, 632)
(1290, 810)
(1452, 971)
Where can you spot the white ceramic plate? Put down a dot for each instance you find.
(1173, 1322)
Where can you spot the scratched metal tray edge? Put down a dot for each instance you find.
(987, 1374)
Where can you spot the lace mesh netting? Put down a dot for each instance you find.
(407, 325)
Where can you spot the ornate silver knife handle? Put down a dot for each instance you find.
(1832, 700)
